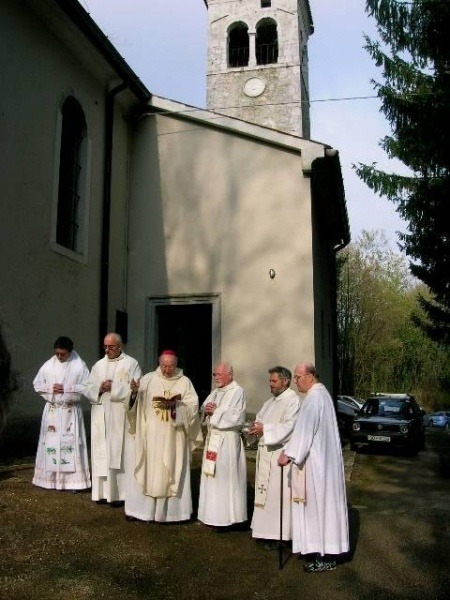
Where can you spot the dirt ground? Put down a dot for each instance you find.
(61, 545)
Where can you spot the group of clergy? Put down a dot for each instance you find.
(144, 429)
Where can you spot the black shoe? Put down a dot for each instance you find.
(319, 565)
(117, 504)
(102, 501)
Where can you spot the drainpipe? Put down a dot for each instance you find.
(106, 211)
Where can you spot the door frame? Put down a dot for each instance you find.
(151, 337)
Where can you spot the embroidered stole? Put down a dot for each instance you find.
(213, 440)
(264, 457)
(298, 483)
(60, 441)
(60, 436)
(213, 444)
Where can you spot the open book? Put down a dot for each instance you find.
(164, 402)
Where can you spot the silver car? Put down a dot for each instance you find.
(439, 419)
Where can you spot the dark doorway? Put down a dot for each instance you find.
(187, 329)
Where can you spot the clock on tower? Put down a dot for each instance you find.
(258, 62)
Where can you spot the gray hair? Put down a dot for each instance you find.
(282, 373)
(228, 366)
(117, 336)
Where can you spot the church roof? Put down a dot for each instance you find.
(92, 32)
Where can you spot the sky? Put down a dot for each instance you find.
(164, 42)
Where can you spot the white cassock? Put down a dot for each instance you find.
(223, 484)
(61, 459)
(159, 486)
(319, 516)
(109, 427)
(278, 416)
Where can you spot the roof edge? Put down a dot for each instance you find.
(84, 22)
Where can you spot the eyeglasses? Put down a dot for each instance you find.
(220, 374)
(302, 375)
(110, 346)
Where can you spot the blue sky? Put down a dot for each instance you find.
(164, 42)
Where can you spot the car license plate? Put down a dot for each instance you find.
(378, 438)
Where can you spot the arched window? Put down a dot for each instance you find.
(71, 164)
(238, 45)
(266, 42)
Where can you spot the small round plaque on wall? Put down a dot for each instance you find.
(254, 87)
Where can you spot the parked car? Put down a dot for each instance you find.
(389, 420)
(439, 419)
(347, 407)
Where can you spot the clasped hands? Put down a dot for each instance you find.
(210, 407)
(58, 388)
(256, 429)
(105, 386)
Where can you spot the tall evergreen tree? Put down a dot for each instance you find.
(414, 55)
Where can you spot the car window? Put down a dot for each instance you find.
(388, 407)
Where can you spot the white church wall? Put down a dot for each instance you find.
(211, 213)
(46, 290)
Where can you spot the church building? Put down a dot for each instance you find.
(212, 231)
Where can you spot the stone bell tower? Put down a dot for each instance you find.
(258, 62)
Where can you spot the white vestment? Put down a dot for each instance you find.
(278, 416)
(109, 428)
(320, 523)
(223, 484)
(159, 486)
(61, 459)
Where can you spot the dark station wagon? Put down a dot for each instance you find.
(394, 420)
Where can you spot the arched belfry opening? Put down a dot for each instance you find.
(257, 69)
(238, 45)
(266, 42)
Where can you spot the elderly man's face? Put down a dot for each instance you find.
(112, 346)
(167, 364)
(303, 379)
(222, 376)
(277, 384)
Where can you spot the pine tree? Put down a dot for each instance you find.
(414, 54)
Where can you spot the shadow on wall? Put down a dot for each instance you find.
(8, 382)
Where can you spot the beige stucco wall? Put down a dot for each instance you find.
(45, 293)
(211, 213)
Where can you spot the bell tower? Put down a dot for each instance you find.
(258, 62)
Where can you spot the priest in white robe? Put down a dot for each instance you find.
(108, 389)
(319, 507)
(163, 414)
(223, 484)
(61, 459)
(274, 424)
